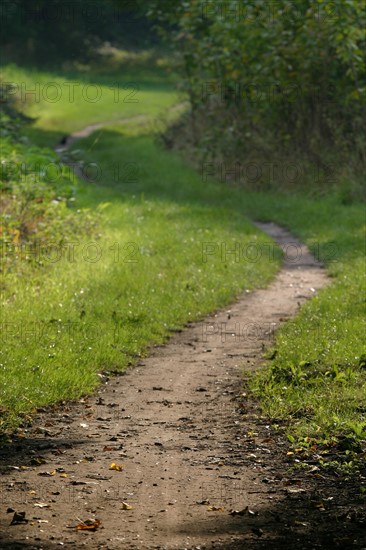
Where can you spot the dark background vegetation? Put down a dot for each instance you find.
(282, 79)
(54, 31)
(276, 80)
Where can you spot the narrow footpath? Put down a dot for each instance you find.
(172, 454)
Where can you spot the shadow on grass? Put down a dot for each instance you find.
(147, 71)
(144, 170)
(120, 167)
(43, 138)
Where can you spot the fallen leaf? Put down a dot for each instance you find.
(42, 505)
(239, 512)
(99, 477)
(89, 525)
(19, 517)
(215, 509)
(288, 482)
(205, 501)
(47, 474)
(117, 467)
(38, 460)
(319, 505)
(58, 452)
(126, 506)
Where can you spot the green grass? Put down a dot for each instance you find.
(316, 382)
(66, 101)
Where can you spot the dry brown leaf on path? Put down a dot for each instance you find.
(126, 506)
(58, 452)
(47, 474)
(89, 525)
(288, 482)
(294, 490)
(18, 518)
(38, 460)
(240, 512)
(319, 505)
(116, 467)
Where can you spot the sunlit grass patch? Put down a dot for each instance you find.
(67, 101)
(316, 380)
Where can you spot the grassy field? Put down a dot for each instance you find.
(111, 293)
(67, 101)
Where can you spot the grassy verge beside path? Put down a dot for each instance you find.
(316, 385)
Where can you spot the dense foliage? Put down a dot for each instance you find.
(50, 31)
(284, 78)
(36, 194)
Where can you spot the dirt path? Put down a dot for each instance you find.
(193, 446)
(67, 141)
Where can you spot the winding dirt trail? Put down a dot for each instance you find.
(133, 119)
(193, 447)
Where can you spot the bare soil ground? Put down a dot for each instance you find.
(201, 468)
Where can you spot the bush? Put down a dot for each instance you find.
(283, 80)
